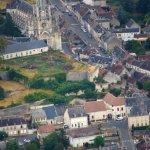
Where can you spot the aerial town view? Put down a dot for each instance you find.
(74, 74)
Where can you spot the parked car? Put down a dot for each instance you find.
(66, 126)
(119, 118)
(26, 140)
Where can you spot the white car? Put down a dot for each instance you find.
(67, 11)
(26, 140)
(83, 29)
(119, 118)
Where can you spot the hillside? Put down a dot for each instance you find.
(44, 65)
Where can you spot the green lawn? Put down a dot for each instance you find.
(45, 65)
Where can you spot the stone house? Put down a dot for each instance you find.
(76, 117)
(96, 110)
(115, 105)
(14, 126)
(24, 49)
(78, 137)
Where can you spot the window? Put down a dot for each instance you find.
(92, 117)
(103, 116)
(30, 52)
(75, 125)
(21, 126)
(41, 50)
(72, 125)
(117, 109)
(122, 108)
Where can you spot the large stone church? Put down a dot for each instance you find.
(40, 20)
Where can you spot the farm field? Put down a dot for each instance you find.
(17, 92)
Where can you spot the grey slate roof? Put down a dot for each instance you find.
(60, 109)
(50, 112)
(11, 121)
(125, 30)
(83, 132)
(38, 113)
(23, 46)
(140, 105)
(76, 111)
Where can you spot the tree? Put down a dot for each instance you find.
(31, 146)
(2, 93)
(143, 6)
(147, 44)
(128, 5)
(3, 43)
(3, 135)
(116, 92)
(12, 145)
(139, 85)
(146, 86)
(89, 94)
(55, 141)
(99, 141)
(99, 79)
(121, 15)
(134, 47)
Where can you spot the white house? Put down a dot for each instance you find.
(78, 137)
(102, 3)
(14, 126)
(96, 110)
(126, 34)
(76, 117)
(24, 49)
(115, 105)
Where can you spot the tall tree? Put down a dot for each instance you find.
(99, 142)
(31, 146)
(3, 135)
(12, 145)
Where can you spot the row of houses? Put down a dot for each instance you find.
(78, 117)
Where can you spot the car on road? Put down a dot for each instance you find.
(67, 11)
(66, 126)
(83, 29)
(119, 118)
(26, 140)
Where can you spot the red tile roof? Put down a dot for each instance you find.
(114, 101)
(94, 106)
(47, 129)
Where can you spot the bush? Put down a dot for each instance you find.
(31, 98)
(2, 93)
(3, 135)
(116, 92)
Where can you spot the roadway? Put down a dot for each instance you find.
(126, 138)
(74, 25)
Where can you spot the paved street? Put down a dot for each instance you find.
(75, 26)
(21, 139)
(125, 135)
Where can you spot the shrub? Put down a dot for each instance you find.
(31, 98)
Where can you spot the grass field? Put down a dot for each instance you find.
(45, 64)
(18, 91)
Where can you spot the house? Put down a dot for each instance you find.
(115, 22)
(146, 30)
(76, 117)
(88, 74)
(14, 126)
(48, 114)
(96, 110)
(110, 41)
(45, 130)
(38, 115)
(101, 61)
(115, 105)
(132, 24)
(142, 67)
(78, 137)
(24, 49)
(101, 3)
(126, 34)
(138, 108)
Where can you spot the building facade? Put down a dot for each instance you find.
(76, 117)
(36, 20)
(14, 126)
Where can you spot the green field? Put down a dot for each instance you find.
(43, 65)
